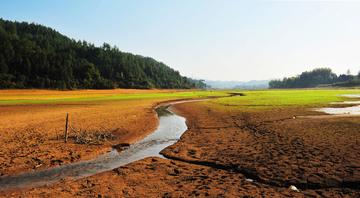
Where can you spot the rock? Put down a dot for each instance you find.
(293, 188)
(121, 146)
(249, 180)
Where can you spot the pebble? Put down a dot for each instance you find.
(293, 188)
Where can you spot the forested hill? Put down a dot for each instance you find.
(34, 56)
(317, 77)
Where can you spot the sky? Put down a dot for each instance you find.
(211, 39)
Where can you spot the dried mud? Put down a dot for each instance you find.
(274, 147)
(31, 136)
(224, 148)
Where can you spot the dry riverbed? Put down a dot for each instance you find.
(231, 153)
(274, 147)
(31, 134)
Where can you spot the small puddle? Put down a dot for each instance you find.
(351, 95)
(169, 131)
(353, 110)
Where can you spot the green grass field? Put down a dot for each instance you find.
(259, 99)
(76, 97)
(280, 98)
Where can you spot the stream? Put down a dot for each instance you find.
(169, 131)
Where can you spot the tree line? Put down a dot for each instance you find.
(315, 78)
(35, 56)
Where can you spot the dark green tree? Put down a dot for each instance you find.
(314, 78)
(34, 56)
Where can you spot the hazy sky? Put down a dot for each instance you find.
(219, 40)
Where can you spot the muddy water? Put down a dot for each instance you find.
(352, 110)
(171, 127)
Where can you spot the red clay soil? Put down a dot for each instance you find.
(273, 148)
(224, 147)
(31, 136)
(156, 177)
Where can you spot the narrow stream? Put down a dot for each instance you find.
(171, 127)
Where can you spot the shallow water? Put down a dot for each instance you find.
(171, 127)
(353, 110)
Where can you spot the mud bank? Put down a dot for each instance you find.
(169, 130)
(31, 136)
(274, 147)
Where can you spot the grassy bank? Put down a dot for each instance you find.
(13, 97)
(266, 99)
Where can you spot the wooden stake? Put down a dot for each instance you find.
(66, 128)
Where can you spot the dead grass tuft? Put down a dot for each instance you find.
(95, 137)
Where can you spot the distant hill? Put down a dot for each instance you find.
(320, 77)
(254, 84)
(35, 56)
